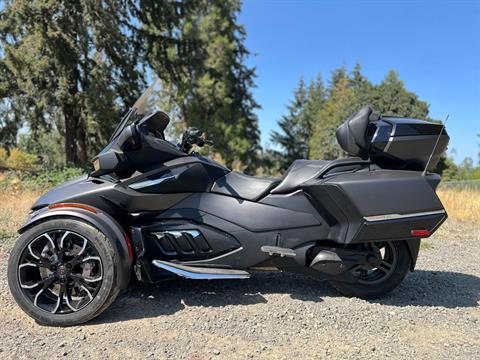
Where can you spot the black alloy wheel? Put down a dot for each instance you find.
(63, 272)
(374, 281)
(376, 274)
(60, 271)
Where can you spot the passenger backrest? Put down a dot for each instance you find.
(352, 134)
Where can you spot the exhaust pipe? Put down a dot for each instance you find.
(334, 262)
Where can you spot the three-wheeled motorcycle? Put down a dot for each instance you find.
(156, 210)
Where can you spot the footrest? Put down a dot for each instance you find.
(191, 272)
(275, 250)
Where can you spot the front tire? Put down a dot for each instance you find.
(63, 272)
(374, 282)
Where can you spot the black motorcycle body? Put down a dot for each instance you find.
(169, 212)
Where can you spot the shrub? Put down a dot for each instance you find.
(3, 157)
(21, 160)
(38, 181)
(49, 178)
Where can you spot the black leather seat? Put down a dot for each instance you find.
(244, 186)
(352, 137)
(299, 172)
(303, 170)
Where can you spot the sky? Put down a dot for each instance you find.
(434, 45)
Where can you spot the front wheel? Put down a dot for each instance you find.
(62, 272)
(373, 282)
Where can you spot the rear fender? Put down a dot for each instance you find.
(100, 220)
(413, 248)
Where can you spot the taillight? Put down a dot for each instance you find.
(420, 233)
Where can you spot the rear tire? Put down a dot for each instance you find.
(373, 286)
(63, 280)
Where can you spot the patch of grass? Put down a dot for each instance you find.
(426, 245)
(4, 235)
(14, 209)
(19, 190)
(462, 205)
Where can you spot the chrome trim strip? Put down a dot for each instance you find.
(212, 259)
(401, 216)
(147, 183)
(390, 139)
(177, 233)
(200, 276)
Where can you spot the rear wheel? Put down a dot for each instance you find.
(62, 272)
(375, 281)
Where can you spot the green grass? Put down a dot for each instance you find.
(425, 244)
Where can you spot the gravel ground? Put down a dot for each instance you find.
(434, 314)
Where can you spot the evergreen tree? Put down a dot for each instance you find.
(294, 129)
(447, 168)
(11, 115)
(391, 98)
(297, 126)
(340, 104)
(348, 94)
(206, 70)
(315, 101)
(73, 68)
(337, 75)
(363, 88)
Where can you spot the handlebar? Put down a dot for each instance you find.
(193, 136)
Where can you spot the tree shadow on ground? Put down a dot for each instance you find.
(422, 288)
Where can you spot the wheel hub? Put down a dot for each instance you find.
(381, 264)
(62, 271)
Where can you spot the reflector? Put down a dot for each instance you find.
(420, 233)
(74, 205)
(129, 245)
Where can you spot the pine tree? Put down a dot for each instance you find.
(291, 139)
(391, 98)
(340, 104)
(297, 125)
(73, 66)
(363, 88)
(315, 102)
(206, 70)
(10, 118)
(337, 75)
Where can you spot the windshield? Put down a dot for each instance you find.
(155, 98)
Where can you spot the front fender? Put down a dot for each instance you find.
(100, 220)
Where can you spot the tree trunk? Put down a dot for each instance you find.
(82, 143)
(71, 123)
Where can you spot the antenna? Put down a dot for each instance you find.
(435, 146)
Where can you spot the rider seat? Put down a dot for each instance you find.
(254, 188)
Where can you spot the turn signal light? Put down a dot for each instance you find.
(96, 164)
(420, 233)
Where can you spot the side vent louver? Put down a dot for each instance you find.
(182, 242)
